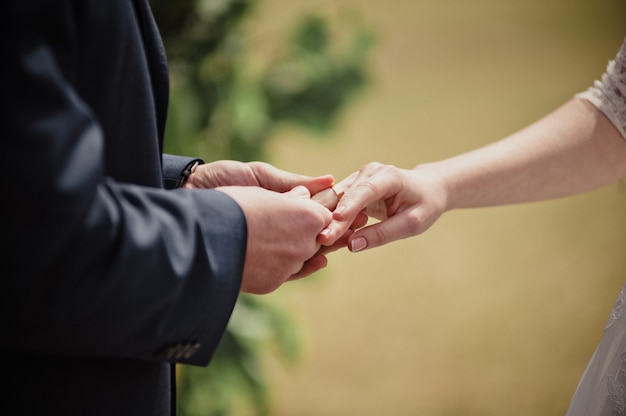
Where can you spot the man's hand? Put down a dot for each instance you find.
(264, 175)
(282, 232)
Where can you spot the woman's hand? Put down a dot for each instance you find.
(407, 203)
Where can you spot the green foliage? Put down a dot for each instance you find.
(224, 105)
(234, 382)
(310, 85)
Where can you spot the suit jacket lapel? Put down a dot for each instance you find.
(157, 62)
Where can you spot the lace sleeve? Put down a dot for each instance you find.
(609, 94)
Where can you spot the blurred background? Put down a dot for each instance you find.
(492, 311)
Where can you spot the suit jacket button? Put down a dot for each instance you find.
(190, 349)
(179, 351)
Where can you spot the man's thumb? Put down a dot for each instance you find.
(300, 192)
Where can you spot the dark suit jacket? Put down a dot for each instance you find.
(108, 278)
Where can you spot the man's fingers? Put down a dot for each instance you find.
(314, 264)
(278, 180)
(299, 192)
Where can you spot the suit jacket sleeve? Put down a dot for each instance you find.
(99, 266)
(176, 169)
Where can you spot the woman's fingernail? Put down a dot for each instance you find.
(358, 244)
(340, 209)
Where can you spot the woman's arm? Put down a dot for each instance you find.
(573, 149)
(576, 148)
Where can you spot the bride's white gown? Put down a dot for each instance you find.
(602, 389)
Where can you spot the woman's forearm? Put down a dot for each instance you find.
(572, 150)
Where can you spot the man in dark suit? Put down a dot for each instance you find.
(109, 276)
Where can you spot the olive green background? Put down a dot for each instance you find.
(492, 311)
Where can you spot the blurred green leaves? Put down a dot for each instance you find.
(234, 383)
(311, 84)
(226, 104)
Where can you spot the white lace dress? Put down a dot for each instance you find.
(602, 389)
